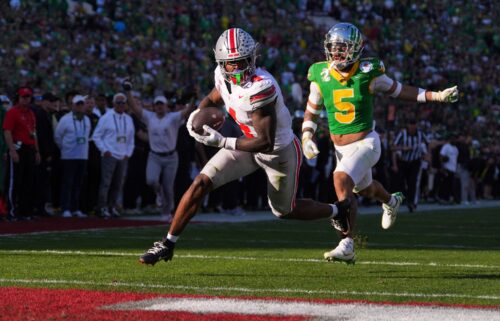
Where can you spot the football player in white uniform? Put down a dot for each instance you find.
(253, 99)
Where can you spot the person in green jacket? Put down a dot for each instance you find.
(345, 85)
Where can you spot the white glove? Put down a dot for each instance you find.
(211, 138)
(449, 95)
(309, 146)
(189, 123)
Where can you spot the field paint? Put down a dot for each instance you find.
(246, 258)
(336, 311)
(252, 290)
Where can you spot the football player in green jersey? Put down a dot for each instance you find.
(345, 84)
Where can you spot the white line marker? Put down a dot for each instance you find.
(246, 258)
(252, 290)
(336, 311)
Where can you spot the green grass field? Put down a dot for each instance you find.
(448, 256)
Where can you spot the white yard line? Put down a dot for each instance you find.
(245, 258)
(251, 290)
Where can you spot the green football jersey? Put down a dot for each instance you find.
(347, 99)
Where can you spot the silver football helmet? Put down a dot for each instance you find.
(233, 45)
(343, 45)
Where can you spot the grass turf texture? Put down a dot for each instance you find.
(440, 257)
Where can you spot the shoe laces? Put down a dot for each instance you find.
(157, 248)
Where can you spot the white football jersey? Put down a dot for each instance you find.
(243, 100)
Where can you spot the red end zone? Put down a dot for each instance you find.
(52, 304)
(57, 304)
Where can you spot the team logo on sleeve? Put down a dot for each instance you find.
(325, 74)
(366, 66)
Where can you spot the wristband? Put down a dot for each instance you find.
(230, 143)
(307, 135)
(421, 95)
(309, 124)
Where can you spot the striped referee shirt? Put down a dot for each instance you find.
(418, 143)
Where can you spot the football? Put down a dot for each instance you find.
(211, 116)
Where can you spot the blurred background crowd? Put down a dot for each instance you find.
(61, 48)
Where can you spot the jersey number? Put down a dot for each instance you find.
(244, 128)
(346, 112)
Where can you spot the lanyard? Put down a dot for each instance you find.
(117, 127)
(83, 125)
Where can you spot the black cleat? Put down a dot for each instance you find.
(341, 220)
(161, 250)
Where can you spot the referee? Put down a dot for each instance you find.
(411, 144)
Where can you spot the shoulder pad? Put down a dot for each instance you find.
(262, 93)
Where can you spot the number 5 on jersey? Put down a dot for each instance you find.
(347, 110)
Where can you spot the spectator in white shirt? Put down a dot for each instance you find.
(72, 136)
(114, 137)
(163, 127)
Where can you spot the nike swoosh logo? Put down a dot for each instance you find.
(240, 97)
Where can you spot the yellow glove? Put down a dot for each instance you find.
(449, 95)
(309, 146)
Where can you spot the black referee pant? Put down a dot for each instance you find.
(21, 183)
(410, 175)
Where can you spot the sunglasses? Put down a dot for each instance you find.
(26, 96)
(120, 102)
(159, 103)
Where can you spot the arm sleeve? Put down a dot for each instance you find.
(315, 95)
(98, 133)
(131, 138)
(381, 84)
(145, 116)
(178, 119)
(58, 134)
(397, 139)
(266, 94)
(8, 122)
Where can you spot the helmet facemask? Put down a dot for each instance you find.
(236, 46)
(239, 75)
(343, 45)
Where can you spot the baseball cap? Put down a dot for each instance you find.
(161, 99)
(49, 96)
(79, 98)
(25, 91)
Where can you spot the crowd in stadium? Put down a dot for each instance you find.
(60, 50)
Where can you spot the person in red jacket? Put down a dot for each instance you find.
(19, 128)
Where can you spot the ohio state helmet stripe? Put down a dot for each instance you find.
(232, 40)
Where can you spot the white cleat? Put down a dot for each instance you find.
(344, 252)
(389, 213)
